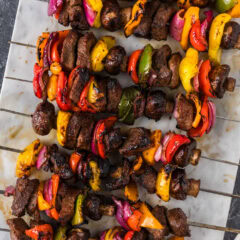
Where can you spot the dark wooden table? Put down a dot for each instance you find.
(7, 16)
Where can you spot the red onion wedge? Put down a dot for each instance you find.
(205, 25)
(196, 78)
(42, 157)
(53, 6)
(176, 26)
(89, 13)
(9, 191)
(102, 236)
(117, 237)
(165, 142)
(120, 213)
(126, 211)
(211, 116)
(158, 154)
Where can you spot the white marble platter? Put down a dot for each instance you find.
(16, 132)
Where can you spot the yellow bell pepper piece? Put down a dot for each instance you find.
(188, 69)
(137, 14)
(55, 68)
(42, 203)
(198, 107)
(163, 184)
(131, 192)
(97, 6)
(100, 51)
(111, 233)
(62, 123)
(52, 87)
(176, 238)
(148, 220)
(235, 11)
(184, 4)
(149, 154)
(109, 40)
(215, 37)
(190, 17)
(27, 159)
(94, 182)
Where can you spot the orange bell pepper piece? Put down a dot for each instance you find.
(40, 231)
(201, 129)
(42, 203)
(131, 192)
(134, 221)
(137, 14)
(75, 158)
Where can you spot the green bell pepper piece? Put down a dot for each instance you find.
(145, 64)
(125, 107)
(61, 233)
(78, 217)
(225, 5)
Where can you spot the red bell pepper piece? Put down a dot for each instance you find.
(99, 131)
(174, 144)
(83, 103)
(196, 38)
(204, 82)
(203, 125)
(132, 65)
(36, 85)
(129, 235)
(75, 158)
(62, 93)
(43, 232)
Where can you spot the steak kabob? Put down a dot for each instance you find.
(148, 67)
(70, 207)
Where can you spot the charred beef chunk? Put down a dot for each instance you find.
(142, 235)
(17, 229)
(59, 162)
(161, 75)
(144, 28)
(178, 222)
(173, 65)
(125, 15)
(67, 207)
(147, 178)
(114, 60)
(85, 134)
(68, 55)
(73, 130)
(107, 207)
(179, 184)
(119, 177)
(157, 105)
(79, 80)
(91, 207)
(77, 18)
(230, 35)
(44, 119)
(110, 15)
(114, 93)
(137, 141)
(64, 16)
(79, 234)
(184, 154)
(184, 112)
(159, 212)
(85, 44)
(139, 106)
(113, 140)
(159, 27)
(32, 207)
(218, 75)
(23, 192)
(43, 82)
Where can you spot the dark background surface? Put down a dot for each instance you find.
(8, 10)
